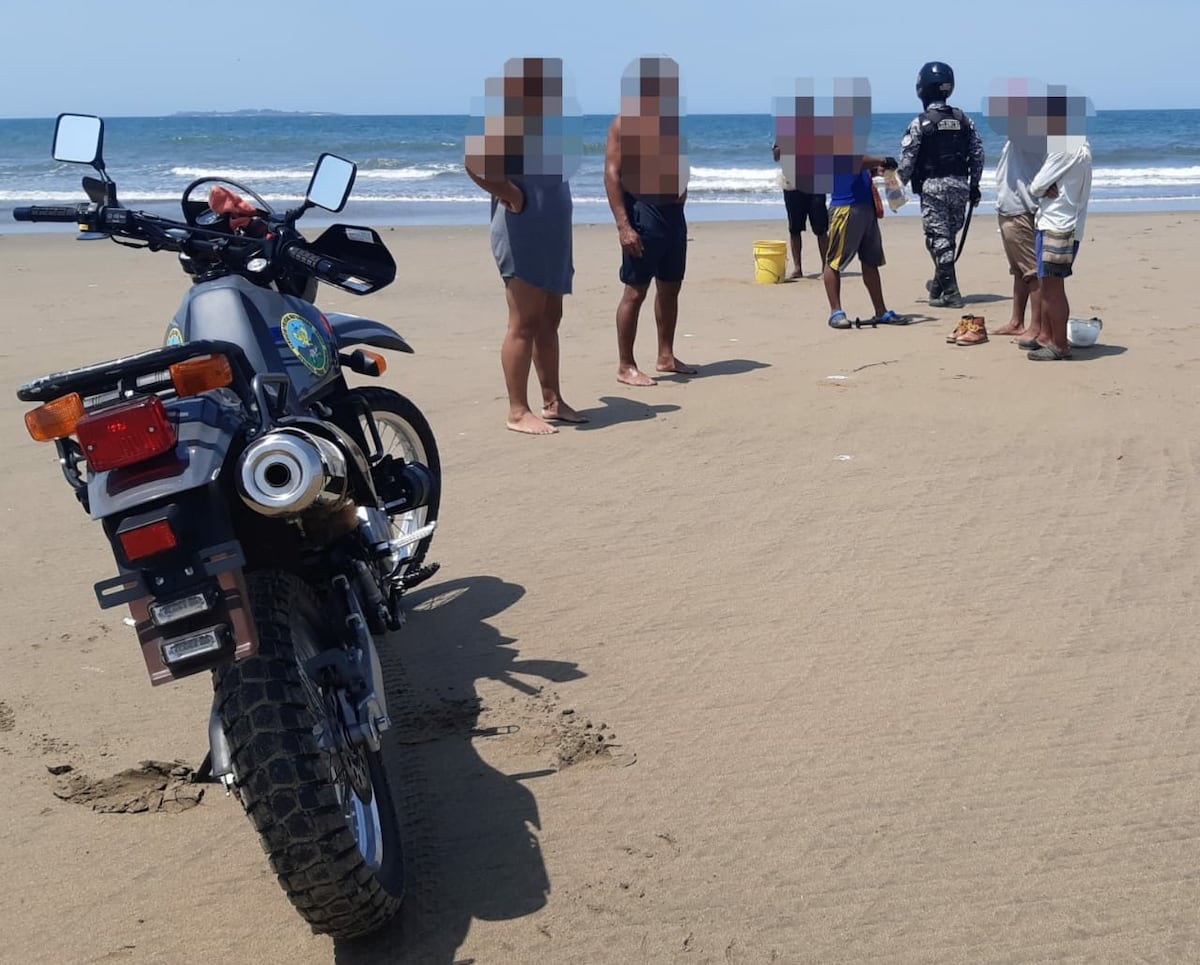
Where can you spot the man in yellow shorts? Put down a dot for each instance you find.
(854, 231)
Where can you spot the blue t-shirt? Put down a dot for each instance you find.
(851, 189)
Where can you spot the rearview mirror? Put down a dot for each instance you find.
(331, 182)
(79, 139)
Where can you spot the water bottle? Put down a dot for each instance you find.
(893, 190)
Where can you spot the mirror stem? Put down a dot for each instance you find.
(294, 215)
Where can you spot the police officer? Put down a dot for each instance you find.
(942, 155)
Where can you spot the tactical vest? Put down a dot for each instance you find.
(945, 145)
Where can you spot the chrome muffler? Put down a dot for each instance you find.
(288, 472)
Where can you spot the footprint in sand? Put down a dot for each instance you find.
(152, 786)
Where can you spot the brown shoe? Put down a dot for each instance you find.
(958, 329)
(974, 333)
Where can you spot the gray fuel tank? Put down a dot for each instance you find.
(279, 333)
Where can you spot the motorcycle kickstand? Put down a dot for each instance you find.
(203, 774)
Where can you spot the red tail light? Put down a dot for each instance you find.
(146, 541)
(126, 434)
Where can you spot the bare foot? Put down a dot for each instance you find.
(1010, 329)
(561, 412)
(632, 375)
(676, 366)
(531, 425)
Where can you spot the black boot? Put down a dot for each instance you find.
(949, 296)
(934, 289)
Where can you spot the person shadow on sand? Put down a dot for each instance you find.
(469, 831)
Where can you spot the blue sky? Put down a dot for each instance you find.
(405, 57)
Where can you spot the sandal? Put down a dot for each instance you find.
(891, 318)
(1047, 353)
(839, 320)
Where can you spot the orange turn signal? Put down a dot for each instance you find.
(379, 360)
(55, 420)
(201, 374)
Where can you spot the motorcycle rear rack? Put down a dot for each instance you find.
(136, 373)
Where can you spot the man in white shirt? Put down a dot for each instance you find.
(1062, 188)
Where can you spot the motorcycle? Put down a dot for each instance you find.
(265, 517)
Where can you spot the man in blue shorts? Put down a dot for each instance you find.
(645, 178)
(854, 230)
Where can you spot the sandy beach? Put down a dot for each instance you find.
(856, 647)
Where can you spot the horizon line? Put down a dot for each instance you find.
(271, 112)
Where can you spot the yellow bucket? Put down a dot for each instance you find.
(770, 262)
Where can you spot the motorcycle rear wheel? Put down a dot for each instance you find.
(335, 849)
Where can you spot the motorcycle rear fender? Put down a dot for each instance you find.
(223, 577)
(355, 330)
(201, 568)
(207, 427)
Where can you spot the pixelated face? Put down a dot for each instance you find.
(527, 124)
(654, 158)
(822, 131)
(1036, 116)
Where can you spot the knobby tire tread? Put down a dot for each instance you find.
(282, 775)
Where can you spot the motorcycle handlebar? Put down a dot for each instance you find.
(67, 213)
(319, 266)
(122, 221)
(298, 253)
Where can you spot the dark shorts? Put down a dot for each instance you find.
(802, 206)
(1047, 269)
(663, 230)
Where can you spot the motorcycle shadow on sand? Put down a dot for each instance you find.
(469, 831)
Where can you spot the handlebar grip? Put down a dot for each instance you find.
(66, 213)
(308, 259)
(319, 266)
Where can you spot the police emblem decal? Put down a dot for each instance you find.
(305, 342)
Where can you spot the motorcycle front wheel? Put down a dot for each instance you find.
(405, 434)
(325, 818)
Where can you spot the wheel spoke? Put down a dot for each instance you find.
(400, 440)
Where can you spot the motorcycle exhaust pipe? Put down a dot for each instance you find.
(289, 471)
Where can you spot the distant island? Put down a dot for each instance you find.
(250, 112)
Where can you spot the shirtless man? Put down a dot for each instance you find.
(645, 178)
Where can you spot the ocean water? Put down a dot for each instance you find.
(410, 167)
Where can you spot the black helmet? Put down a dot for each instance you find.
(935, 82)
